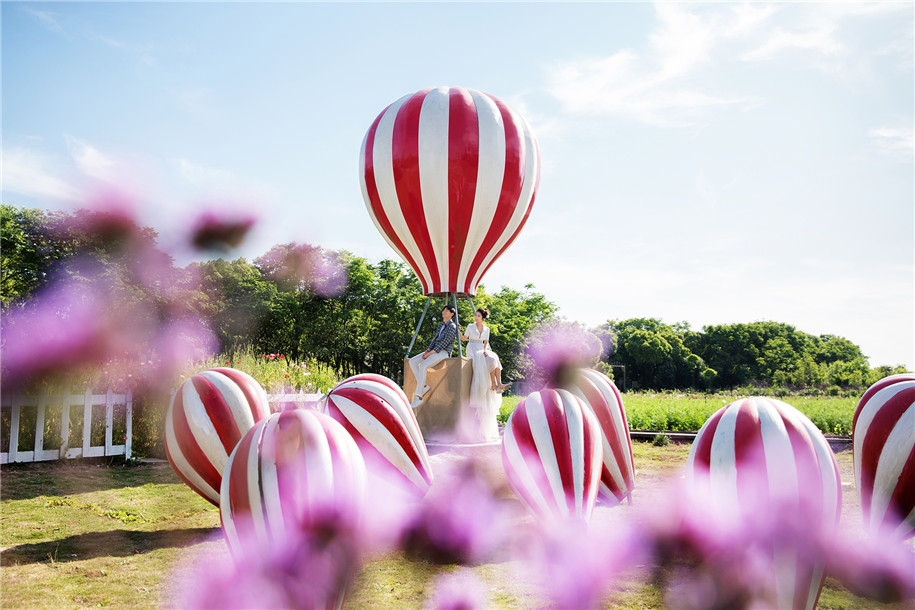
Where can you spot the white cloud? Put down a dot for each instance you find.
(894, 139)
(47, 18)
(202, 176)
(91, 161)
(666, 83)
(28, 173)
(819, 38)
(656, 86)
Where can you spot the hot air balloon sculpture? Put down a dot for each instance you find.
(883, 430)
(552, 455)
(600, 395)
(764, 457)
(375, 411)
(449, 177)
(206, 419)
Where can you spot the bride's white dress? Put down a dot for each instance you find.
(481, 423)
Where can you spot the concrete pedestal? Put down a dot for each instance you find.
(439, 416)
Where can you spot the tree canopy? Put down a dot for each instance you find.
(354, 315)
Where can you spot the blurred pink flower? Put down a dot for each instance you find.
(555, 349)
(64, 328)
(306, 267)
(220, 231)
(459, 521)
(575, 564)
(311, 567)
(458, 590)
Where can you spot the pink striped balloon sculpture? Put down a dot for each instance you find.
(291, 468)
(600, 395)
(759, 453)
(449, 177)
(551, 451)
(207, 417)
(376, 412)
(884, 454)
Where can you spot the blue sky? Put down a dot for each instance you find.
(708, 163)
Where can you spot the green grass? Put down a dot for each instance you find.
(687, 412)
(672, 412)
(81, 534)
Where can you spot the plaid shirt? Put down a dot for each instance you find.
(445, 336)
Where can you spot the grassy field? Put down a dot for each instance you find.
(83, 535)
(672, 412)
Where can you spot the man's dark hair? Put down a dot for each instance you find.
(449, 308)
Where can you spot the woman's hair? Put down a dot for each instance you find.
(483, 312)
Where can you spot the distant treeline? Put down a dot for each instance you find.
(310, 303)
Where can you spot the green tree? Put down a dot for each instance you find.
(237, 303)
(23, 262)
(657, 355)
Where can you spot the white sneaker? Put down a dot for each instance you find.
(418, 401)
(423, 391)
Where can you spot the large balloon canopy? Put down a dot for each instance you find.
(449, 177)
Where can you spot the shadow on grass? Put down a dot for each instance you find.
(70, 477)
(113, 543)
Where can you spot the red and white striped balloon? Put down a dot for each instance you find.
(763, 438)
(376, 412)
(206, 419)
(293, 467)
(449, 177)
(551, 452)
(598, 393)
(884, 454)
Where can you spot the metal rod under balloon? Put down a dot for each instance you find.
(457, 323)
(416, 332)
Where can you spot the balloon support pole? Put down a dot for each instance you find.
(457, 321)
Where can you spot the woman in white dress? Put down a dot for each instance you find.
(486, 384)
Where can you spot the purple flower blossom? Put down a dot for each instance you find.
(67, 327)
(555, 349)
(575, 564)
(307, 268)
(220, 231)
(460, 521)
(312, 567)
(458, 590)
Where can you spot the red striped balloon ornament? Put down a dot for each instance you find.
(377, 413)
(551, 452)
(765, 456)
(883, 430)
(290, 471)
(600, 395)
(449, 177)
(206, 419)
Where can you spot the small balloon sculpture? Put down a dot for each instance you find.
(207, 417)
(290, 470)
(551, 452)
(376, 412)
(764, 456)
(600, 395)
(449, 177)
(883, 430)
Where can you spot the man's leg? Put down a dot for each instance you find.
(422, 367)
(417, 365)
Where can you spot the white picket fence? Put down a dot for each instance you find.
(43, 403)
(88, 401)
